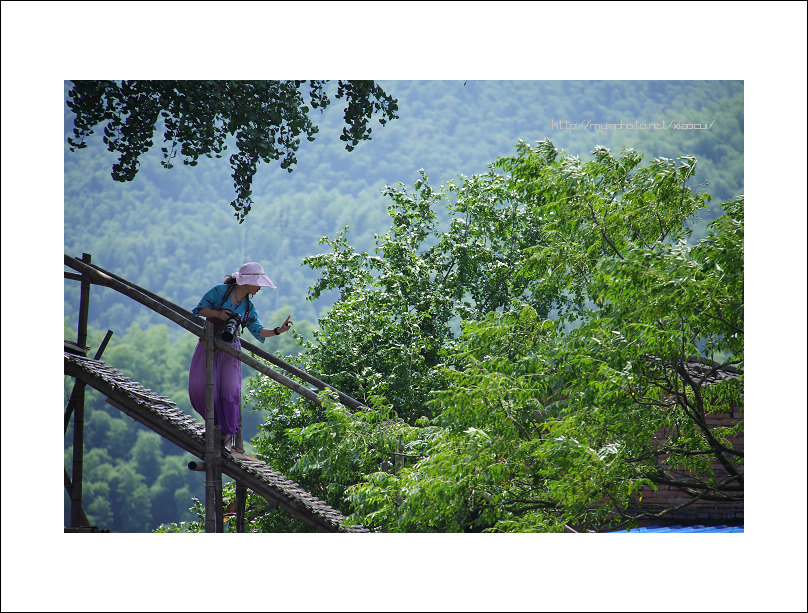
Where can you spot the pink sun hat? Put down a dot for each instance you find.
(251, 273)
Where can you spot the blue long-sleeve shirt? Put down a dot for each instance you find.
(213, 300)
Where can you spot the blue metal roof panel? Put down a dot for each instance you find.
(685, 529)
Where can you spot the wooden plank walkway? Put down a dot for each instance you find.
(164, 417)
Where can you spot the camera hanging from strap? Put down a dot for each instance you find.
(230, 287)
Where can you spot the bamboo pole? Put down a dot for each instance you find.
(266, 370)
(69, 487)
(241, 491)
(217, 482)
(302, 374)
(78, 411)
(100, 278)
(241, 507)
(175, 307)
(211, 444)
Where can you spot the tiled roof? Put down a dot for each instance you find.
(700, 370)
(708, 374)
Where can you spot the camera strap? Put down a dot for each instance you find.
(246, 310)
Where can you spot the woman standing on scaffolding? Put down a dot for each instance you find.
(234, 296)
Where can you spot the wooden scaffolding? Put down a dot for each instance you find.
(162, 416)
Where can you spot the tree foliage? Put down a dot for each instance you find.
(528, 367)
(267, 119)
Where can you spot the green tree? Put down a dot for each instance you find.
(267, 119)
(171, 492)
(528, 367)
(130, 497)
(564, 426)
(147, 455)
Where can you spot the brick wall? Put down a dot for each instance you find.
(700, 512)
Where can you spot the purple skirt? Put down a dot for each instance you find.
(226, 387)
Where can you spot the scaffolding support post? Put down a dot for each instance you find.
(241, 491)
(211, 444)
(77, 518)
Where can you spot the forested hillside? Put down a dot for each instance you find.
(173, 232)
